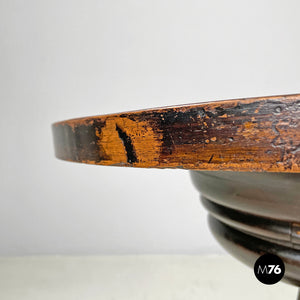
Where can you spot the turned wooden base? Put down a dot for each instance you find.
(254, 213)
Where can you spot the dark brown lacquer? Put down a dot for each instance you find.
(254, 213)
(244, 157)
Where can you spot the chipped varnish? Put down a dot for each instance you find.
(254, 134)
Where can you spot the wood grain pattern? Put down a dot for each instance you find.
(254, 134)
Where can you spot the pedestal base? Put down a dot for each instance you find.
(255, 213)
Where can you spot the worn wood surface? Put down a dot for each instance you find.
(254, 134)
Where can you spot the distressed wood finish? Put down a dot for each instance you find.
(251, 212)
(254, 134)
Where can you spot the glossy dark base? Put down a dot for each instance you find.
(254, 213)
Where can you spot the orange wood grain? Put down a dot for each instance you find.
(254, 134)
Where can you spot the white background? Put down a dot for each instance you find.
(134, 277)
(61, 59)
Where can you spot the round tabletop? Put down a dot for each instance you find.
(251, 134)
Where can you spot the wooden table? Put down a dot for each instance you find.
(244, 156)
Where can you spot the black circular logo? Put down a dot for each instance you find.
(269, 269)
